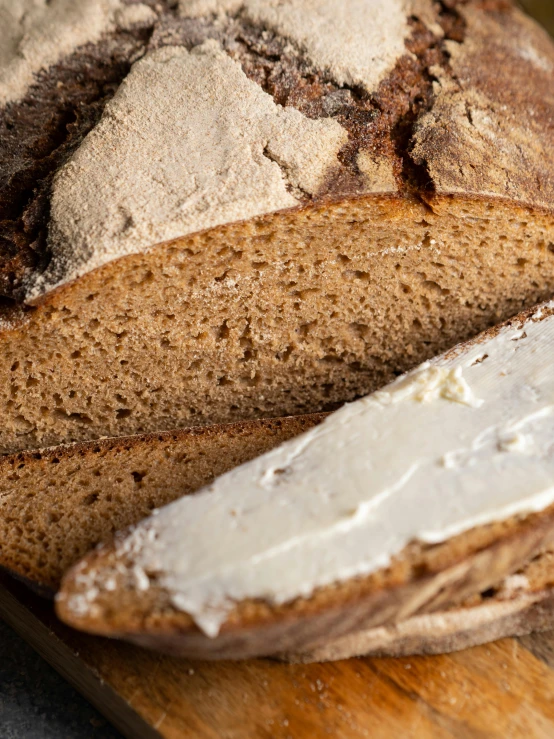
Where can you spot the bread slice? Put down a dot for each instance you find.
(519, 605)
(56, 504)
(428, 492)
(224, 211)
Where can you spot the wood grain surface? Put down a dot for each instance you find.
(505, 689)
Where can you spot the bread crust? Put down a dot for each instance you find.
(433, 581)
(442, 632)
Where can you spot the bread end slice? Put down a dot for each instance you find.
(107, 594)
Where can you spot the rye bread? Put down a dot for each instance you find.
(421, 213)
(56, 504)
(115, 592)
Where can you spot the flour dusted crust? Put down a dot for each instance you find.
(218, 149)
(369, 237)
(469, 134)
(353, 42)
(37, 33)
(489, 132)
(215, 140)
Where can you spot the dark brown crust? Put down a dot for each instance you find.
(386, 124)
(121, 444)
(477, 138)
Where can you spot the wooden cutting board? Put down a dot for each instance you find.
(502, 690)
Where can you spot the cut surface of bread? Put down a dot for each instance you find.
(350, 219)
(56, 504)
(479, 484)
(521, 604)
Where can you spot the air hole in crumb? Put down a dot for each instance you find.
(222, 332)
(138, 476)
(122, 413)
(90, 499)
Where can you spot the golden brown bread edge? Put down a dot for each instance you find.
(421, 579)
(56, 504)
(441, 632)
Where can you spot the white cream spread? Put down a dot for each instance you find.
(38, 33)
(187, 143)
(464, 440)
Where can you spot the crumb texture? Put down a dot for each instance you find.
(56, 504)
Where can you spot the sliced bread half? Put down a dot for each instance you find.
(399, 504)
(201, 201)
(56, 504)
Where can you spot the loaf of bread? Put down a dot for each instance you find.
(56, 504)
(402, 503)
(214, 210)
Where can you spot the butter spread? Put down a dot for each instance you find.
(462, 441)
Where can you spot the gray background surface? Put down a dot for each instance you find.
(36, 703)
